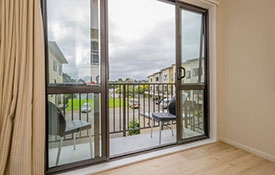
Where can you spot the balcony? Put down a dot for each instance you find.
(129, 122)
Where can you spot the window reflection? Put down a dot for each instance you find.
(73, 42)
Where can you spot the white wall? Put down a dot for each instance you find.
(246, 74)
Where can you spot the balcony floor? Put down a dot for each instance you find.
(118, 146)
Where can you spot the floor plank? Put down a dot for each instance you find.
(213, 159)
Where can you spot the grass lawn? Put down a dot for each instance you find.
(76, 105)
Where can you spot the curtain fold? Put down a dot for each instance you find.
(22, 88)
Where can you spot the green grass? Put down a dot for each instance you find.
(75, 105)
(113, 103)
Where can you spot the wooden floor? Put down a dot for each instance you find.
(213, 159)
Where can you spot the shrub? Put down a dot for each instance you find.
(134, 127)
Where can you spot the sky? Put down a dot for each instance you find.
(141, 35)
(141, 38)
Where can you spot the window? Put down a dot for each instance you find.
(54, 66)
(195, 72)
(157, 88)
(94, 46)
(188, 74)
(157, 79)
(94, 58)
(165, 77)
(60, 70)
(172, 77)
(94, 53)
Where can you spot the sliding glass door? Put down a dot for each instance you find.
(158, 51)
(192, 72)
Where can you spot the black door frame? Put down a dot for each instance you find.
(102, 89)
(105, 77)
(202, 86)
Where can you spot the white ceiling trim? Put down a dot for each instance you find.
(213, 1)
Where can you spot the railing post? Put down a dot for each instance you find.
(124, 110)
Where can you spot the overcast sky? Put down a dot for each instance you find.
(141, 35)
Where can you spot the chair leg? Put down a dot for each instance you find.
(91, 144)
(74, 140)
(160, 126)
(183, 132)
(171, 123)
(59, 150)
(152, 123)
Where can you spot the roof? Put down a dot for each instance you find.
(53, 47)
(170, 67)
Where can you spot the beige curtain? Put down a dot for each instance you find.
(22, 88)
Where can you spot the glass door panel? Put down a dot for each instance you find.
(76, 89)
(192, 113)
(192, 45)
(74, 128)
(73, 42)
(192, 72)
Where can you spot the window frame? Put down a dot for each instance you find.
(212, 72)
(55, 89)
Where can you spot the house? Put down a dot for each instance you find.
(56, 61)
(155, 79)
(164, 76)
(242, 84)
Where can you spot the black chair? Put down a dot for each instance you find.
(58, 126)
(168, 116)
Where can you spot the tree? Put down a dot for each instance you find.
(127, 80)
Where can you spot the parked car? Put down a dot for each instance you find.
(164, 103)
(134, 104)
(86, 107)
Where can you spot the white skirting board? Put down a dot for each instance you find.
(249, 149)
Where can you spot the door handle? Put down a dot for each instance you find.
(180, 70)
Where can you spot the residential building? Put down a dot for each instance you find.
(56, 61)
(172, 73)
(167, 75)
(155, 78)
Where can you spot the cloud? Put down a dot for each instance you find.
(141, 39)
(140, 43)
(70, 28)
(140, 58)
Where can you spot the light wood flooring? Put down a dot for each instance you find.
(213, 159)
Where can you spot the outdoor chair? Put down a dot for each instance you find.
(58, 126)
(168, 116)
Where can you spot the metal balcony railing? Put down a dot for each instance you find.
(129, 107)
(132, 102)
